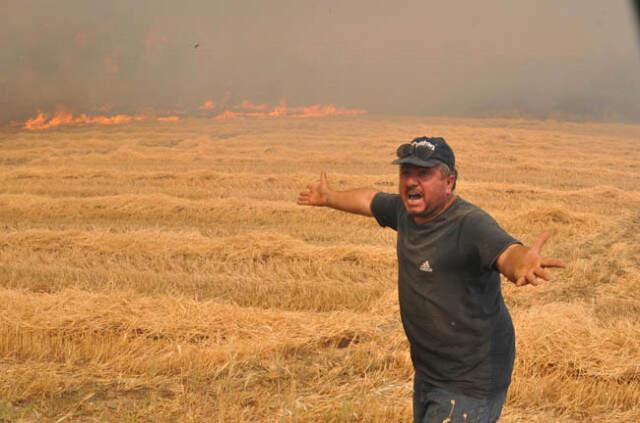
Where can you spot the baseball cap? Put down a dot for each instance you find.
(426, 152)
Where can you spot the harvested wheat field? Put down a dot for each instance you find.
(161, 271)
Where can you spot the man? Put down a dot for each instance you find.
(450, 254)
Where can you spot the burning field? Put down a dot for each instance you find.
(158, 269)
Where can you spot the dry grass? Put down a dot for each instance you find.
(162, 272)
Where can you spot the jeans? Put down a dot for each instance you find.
(436, 405)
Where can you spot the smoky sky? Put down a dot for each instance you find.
(543, 58)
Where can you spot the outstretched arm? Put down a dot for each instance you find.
(319, 194)
(524, 265)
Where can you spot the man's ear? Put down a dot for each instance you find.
(451, 182)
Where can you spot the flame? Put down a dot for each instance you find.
(208, 105)
(37, 122)
(66, 118)
(320, 110)
(228, 114)
(280, 109)
(249, 110)
(247, 105)
(245, 109)
(104, 120)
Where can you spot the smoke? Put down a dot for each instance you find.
(572, 59)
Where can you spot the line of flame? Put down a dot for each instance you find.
(245, 109)
(65, 118)
(248, 109)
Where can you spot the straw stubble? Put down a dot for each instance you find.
(167, 275)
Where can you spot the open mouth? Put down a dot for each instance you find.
(414, 195)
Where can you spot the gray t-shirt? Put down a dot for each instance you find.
(452, 310)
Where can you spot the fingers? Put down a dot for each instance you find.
(318, 183)
(310, 196)
(529, 278)
(541, 273)
(544, 236)
(534, 277)
(550, 262)
(526, 280)
(303, 199)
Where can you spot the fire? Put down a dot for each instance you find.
(37, 122)
(66, 118)
(319, 110)
(228, 114)
(280, 109)
(246, 109)
(249, 106)
(208, 105)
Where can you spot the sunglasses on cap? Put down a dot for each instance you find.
(420, 150)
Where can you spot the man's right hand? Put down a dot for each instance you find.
(317, 193)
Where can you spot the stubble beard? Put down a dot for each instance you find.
(431, 211)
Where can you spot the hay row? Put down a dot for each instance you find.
(254, 247)
(246, 206)
(329, 288)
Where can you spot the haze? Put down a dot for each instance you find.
(574, 59)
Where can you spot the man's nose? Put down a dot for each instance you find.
(411, 180)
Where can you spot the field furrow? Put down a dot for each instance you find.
(153, 272)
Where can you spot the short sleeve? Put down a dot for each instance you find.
(485, 237)
(385, 207)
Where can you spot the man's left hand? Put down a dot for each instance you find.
(524, 265)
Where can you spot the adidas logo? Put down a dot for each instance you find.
(426, 267)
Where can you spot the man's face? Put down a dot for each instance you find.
(424, 191)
